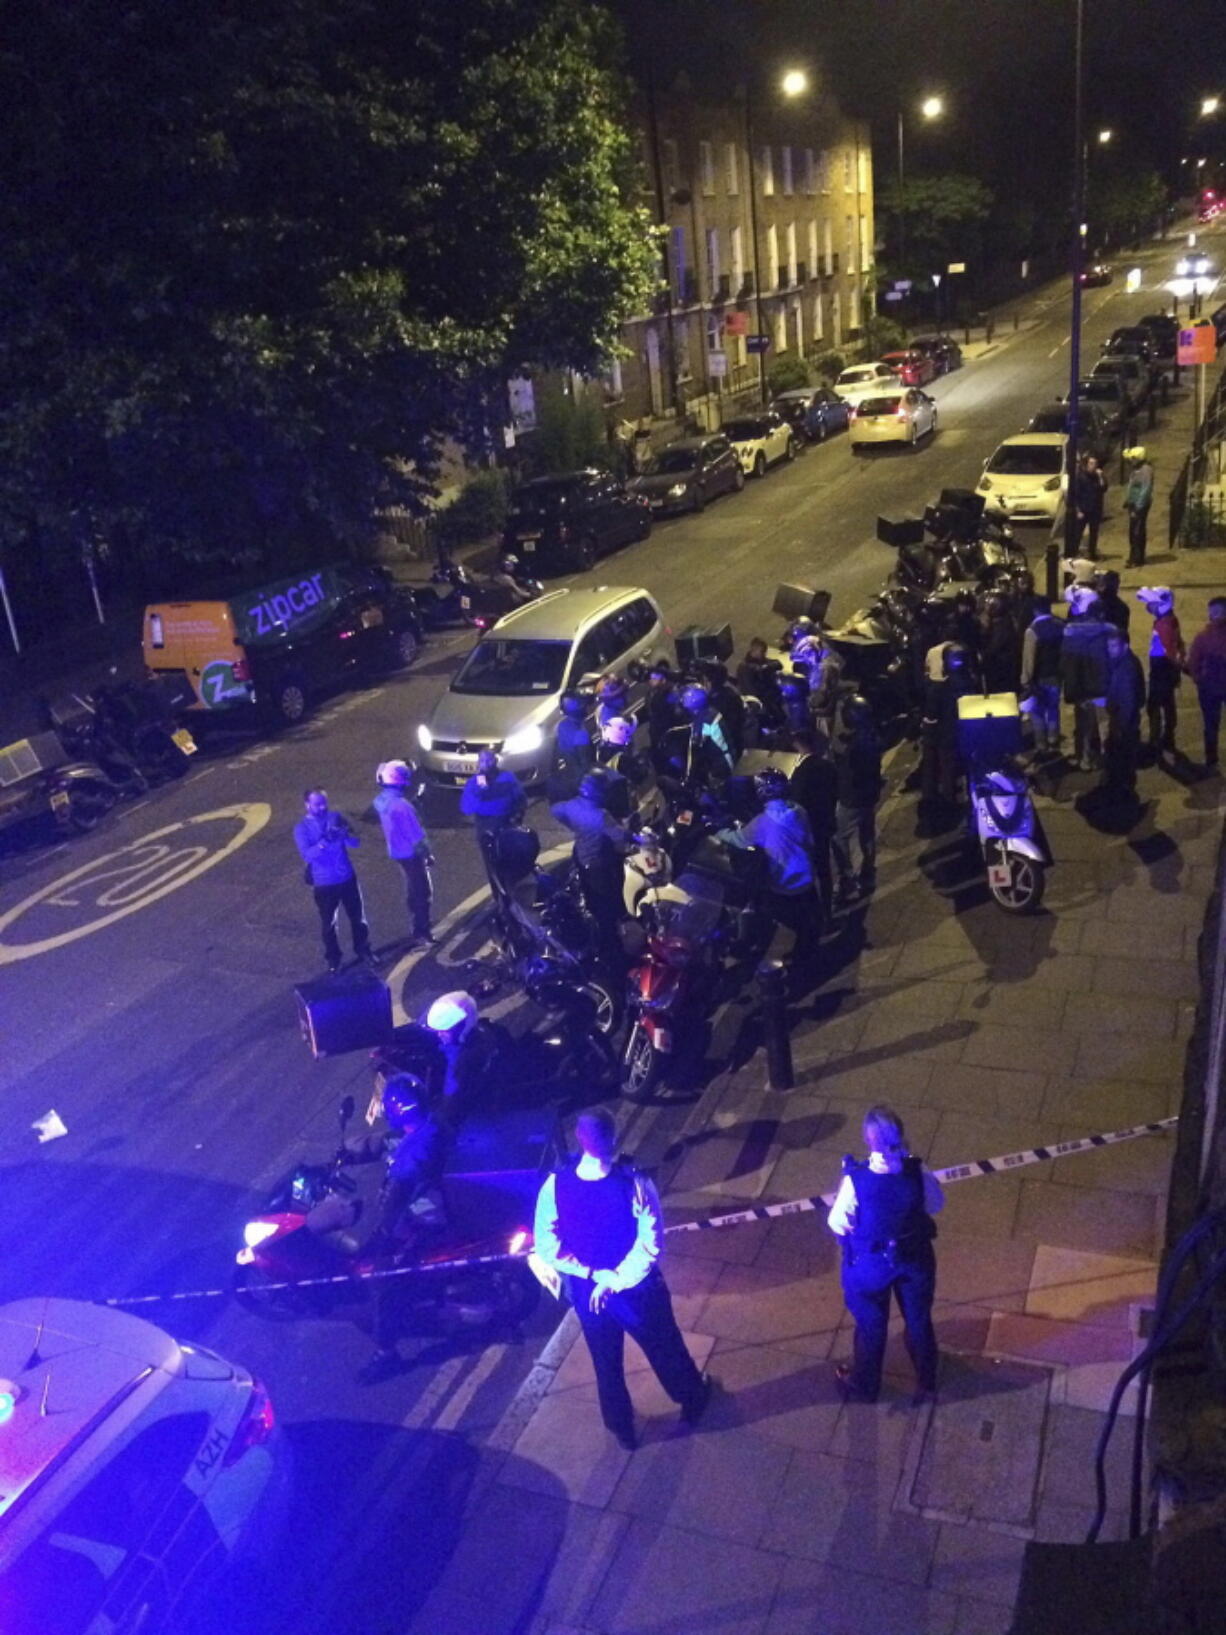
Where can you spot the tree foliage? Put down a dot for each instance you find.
(259, 259)
(1124, 205)
(788, 373)
(943, 216)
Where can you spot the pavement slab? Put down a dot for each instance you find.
(1078, 1217)
(827, 1505)
(817, 1598)
(723, 1484)
(663, 1578)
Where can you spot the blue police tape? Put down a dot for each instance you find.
(740, 1217)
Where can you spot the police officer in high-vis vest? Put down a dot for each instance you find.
(883, 1214)
(598, 1222)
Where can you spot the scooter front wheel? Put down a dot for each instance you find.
(642, 1065)
(1023, 891)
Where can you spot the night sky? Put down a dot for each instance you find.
(1004, 66)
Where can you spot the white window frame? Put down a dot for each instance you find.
(670, 168)
(848, 176)
(766, 169)
(706, 168)
(779, 323)
(819, 318)
(849, 235)
(711, 243)
(736, 254)
(798, 318)
(790, 243)
(866, 247)
(732, 169)
(828, 246)
(772, 257)
(813, 267)
(864, 175)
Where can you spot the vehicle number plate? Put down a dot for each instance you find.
(545, 1275)
(529, 546)
(184, 740)
(466, 602)
(59, 800)
(1000, 876)
(371, 616)
(458, 766)
(527, 539)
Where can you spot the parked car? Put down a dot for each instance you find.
(1098, 272)
(563, 524)
(944, 352)
(813, 412)
(893, 417)
(685, 475)
(136, 1471)
(1025, 477)
(1093, 434)
(1108, 393)
(265, 651)
(507, 693)
(1163, 332)
(863, 380)
(1130, 340)
(913, 366)
(1131, 371)
(760, 440)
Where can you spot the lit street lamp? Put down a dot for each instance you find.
(931, 108)
(794, 82)
(1209, 106)
(1104, 137)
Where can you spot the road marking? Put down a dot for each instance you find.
(141, 872)
(454, 1409)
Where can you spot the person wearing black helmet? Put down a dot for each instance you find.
(574, 748)
(600, 845)
(660, 709)
(507, 578)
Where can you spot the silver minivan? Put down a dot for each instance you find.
(506, 694)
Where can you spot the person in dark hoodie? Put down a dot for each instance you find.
(1111, 605)
(1084, 669)
(1041, 647)
(1207, 667)
(1125, 701)
(782, 831)
(857, 760)
(1166, 661)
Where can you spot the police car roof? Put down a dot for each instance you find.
(559, 614)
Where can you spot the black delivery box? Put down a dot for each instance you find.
(801, 602)
(904, 531)
(349, 1011)
(697, 642)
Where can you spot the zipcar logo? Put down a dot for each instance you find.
(283, 608)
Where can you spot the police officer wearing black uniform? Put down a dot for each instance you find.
(883, 1215)
(598, 1222)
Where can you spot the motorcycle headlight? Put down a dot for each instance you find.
(255, 1233)
(425, 737)
(524, 742)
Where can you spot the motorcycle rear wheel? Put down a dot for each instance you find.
(1024, 892)
(607, 1004)
(642, 1065)
(494, 1296)
(88, 804)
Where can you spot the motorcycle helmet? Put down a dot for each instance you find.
(394, 774)
(453, 1014)
(808, 650)
(594, 785)
(694, 699)
(1136, 454)
(1157, 599)
(804, 626)
(1081, 598)
(612, 694)
(509, 563)
(618, 732)
(404, 1097)
(575, 705)
(771, 783)
(856, 713)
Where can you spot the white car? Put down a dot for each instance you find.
(865, 380)
(134, 1468)
(901, 415)
(1026, 477)
(760, 440)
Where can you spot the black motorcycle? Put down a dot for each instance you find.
(40, 779)
(454, 598)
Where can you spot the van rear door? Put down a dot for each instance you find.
(197, 641)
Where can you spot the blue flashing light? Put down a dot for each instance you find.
(8, 1403)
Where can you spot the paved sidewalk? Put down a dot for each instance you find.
(788, 1511)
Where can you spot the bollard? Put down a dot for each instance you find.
(1016, 320)
(1151, 415)
(1166, 388)
(771, 988)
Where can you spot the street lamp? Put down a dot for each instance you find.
(931, 108)
(1104, 137)
(1078, 258)
(1209, 106)
(794, 82)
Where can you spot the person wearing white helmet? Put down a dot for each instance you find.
(407, 844)
(1167, 659)
(465, 1049)
(1085, 668)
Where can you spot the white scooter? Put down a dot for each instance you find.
(1003, 816)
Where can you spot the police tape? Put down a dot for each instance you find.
(740, 1217)
(956, 1172)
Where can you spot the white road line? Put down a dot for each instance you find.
(456, 1407)
(421, 1413)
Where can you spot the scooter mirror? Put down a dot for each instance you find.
(346, 1111)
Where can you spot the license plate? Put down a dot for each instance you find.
(371, 616)
(466, 602)
(458, 766)
(545, 1275)
(528, 545)
(1000, 876)
(184, 740)
(59, 800)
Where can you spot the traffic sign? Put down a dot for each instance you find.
(717, 363)
(956, 267)
(736, 323)
(1197, 343)
(757, 343)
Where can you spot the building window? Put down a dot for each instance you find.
(836, 321)
(812, 249)
(780, 326)
(819, 327)
(766, 169)
(849, 236)
(670, 166)
(715, 332)
(823, 171)
(730, 167)
(798, 314)
(848, 174)
(713, 266)
(864, 177)
(736, 249)
(772, 257)
(828, 246)
(791, 246)
(785, 168)
(676, 245)
(866, 249)
(854, 306)
(810, 171)
(706, 167)
(611, 375)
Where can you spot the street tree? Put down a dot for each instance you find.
(260, 260)
(943, 216)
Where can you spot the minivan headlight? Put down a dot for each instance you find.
(425, 737)
(523, 742)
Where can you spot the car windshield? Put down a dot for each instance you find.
(1027, 459)
(1050, 420)
(531, 504)
(502, 668)
(677, 459)
(880, 405)
(1106, 388)
(744, 431)
(855, 377)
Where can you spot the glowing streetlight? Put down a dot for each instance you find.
(932, 107)
(1209, 106)
(794, 83)
(1104, 137)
